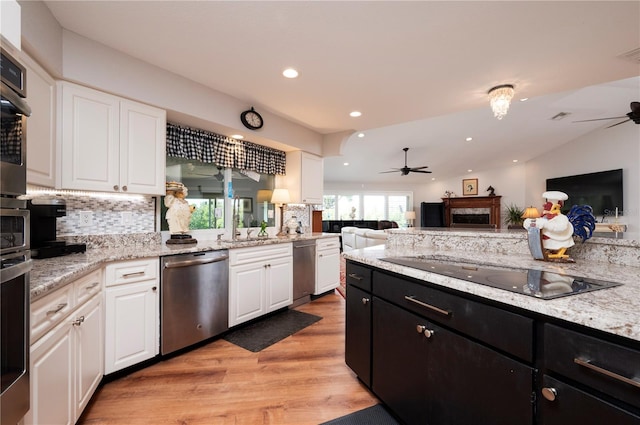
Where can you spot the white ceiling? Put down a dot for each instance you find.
(418, 71)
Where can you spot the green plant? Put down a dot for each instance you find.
(514, 215)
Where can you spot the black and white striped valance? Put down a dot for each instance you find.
(201, 145)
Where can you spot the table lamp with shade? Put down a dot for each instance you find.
(280, 198)
(410, 216)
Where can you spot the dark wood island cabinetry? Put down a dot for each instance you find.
(439, 356)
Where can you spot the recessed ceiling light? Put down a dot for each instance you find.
(237, 136)
(355, 114)
(346, 163)
(290, 73)
(469, 170)
(468, 139)
(433, 178)
(515, 160)
(524, 99)
(361, 135)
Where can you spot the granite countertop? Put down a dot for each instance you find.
(52, 273)
(613, 310)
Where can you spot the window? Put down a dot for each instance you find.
(367, 206)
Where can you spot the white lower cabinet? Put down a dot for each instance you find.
(66, 361)
(327, 265)
(260, 281)
(132, 313)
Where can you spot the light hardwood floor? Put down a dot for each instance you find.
(302, 379)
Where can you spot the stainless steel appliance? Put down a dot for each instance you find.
(532, 282)
(194, 298)
(304, 270)
(15, 257)
(44, 242)
(14, 112)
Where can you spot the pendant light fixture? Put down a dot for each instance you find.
(500, 99)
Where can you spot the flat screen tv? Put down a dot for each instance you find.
(602, 191)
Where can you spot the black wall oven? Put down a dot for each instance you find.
(15, 256)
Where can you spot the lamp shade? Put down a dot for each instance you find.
(280, 196)
(410, 215)
(264, 195)
(531, 212)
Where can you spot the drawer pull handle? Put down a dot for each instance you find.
(355, 276)
(589, 365)
(128, 275)
(58, 308)
(93, 285)
(429, 306)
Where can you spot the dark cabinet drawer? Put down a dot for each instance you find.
(609, 368)
(359, 276)
(564, 404)
(501, 329)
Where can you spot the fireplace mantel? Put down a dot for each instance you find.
(491, 202)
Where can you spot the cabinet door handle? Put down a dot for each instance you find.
(549, 393)
(116, 187)
(155, 288)
(124, 188)
(422, 329)
(365, 301)
(355, 276)
(589, 365)
(412, 298)
(57, 309)
(78, 321)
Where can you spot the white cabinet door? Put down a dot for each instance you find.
(90, 139)
(246, 292)
(327, 266)
(41, 125)
(110, 144)
(311, 181)
(52, 372)
(88, 326)
(142, 148)
(279, 283)
(131, 332)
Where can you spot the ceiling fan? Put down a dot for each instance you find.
(634, 116)
(218, 176)
(406, 170)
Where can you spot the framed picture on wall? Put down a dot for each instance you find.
(246, 205)
(469, 187)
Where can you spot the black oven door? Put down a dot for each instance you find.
(14, 336)
(13, 170)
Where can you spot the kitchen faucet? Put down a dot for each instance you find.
(249, 231)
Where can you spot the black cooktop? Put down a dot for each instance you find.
(536, 283)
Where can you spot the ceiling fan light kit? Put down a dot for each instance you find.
(500, 99)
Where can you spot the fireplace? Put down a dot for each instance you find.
(472, 210)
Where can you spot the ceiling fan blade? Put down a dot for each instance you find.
(419, 168)
(621, 122)
(392, 171)
(601, 119)
(420, 171)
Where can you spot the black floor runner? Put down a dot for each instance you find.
(259, 335)
(374, 415)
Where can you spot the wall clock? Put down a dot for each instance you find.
(251, 119)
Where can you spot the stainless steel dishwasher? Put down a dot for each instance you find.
(194, 298)
(304, 270)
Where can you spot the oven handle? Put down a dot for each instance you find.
(15, 100)
(187, 263)
(14, 271)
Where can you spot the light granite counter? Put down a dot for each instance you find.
(613, 310)
(52, 273)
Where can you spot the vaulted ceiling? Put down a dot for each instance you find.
(418, 71)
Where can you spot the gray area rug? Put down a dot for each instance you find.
(374, 415)
(259, 335)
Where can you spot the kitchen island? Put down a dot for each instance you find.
(437, 349)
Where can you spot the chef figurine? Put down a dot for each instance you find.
(178, 211)
(554, 227)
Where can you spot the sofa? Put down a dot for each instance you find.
(356, 238)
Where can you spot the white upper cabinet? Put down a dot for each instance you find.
(10, 22)
(304, 178)
(41, 125)
(110, 144)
